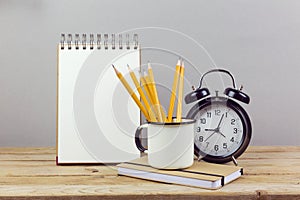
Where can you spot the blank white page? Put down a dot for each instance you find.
(96, 117)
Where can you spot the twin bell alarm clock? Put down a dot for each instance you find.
(223, 128)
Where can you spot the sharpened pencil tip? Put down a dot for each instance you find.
(115, 68)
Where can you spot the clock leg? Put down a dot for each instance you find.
(234, 161)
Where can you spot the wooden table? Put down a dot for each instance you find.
(31, 173)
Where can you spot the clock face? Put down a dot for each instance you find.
(218, 130)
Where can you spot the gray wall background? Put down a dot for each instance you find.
(258, 40)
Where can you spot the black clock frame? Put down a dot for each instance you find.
(247, 128)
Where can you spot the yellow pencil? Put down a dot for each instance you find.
(154, 94)
(173, 94)
(147, 89)
(180, 93)
(144, 99)
(146, 83)
(150, 89)
(132, 94)
(162, 112)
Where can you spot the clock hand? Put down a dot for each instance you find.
(220, 121)
(209, 136)
(221, 134)
(218, 128)
(210, 129)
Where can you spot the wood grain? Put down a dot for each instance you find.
(270, 173)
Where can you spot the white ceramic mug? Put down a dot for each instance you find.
(170, 145)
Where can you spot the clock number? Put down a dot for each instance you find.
(216, 147)
(235, 130)
(226, 114)
(232, 121)
(203, 121)
(207, 143)
(198, 129)
(224, 145)
(217, 112)
(232, 139)
(200, 138)
(208, 114)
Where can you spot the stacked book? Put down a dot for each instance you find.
(200, 174)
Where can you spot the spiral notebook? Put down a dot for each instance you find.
(96, 118)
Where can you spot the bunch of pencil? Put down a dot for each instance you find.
(149, 104)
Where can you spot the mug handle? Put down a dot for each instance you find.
(138, 142)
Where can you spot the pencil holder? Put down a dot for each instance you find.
(170, 145)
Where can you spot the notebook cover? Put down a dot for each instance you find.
(199, 170)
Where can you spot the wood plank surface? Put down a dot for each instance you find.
(270, 173)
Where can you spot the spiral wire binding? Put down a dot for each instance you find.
(91, 41)
(113, 41)
(62, 41)
(136, 41)
(127, 41)
(84, 41)
(69, 41)
(77, 41)
(98, 41)
(120, 41)
(105, 41)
